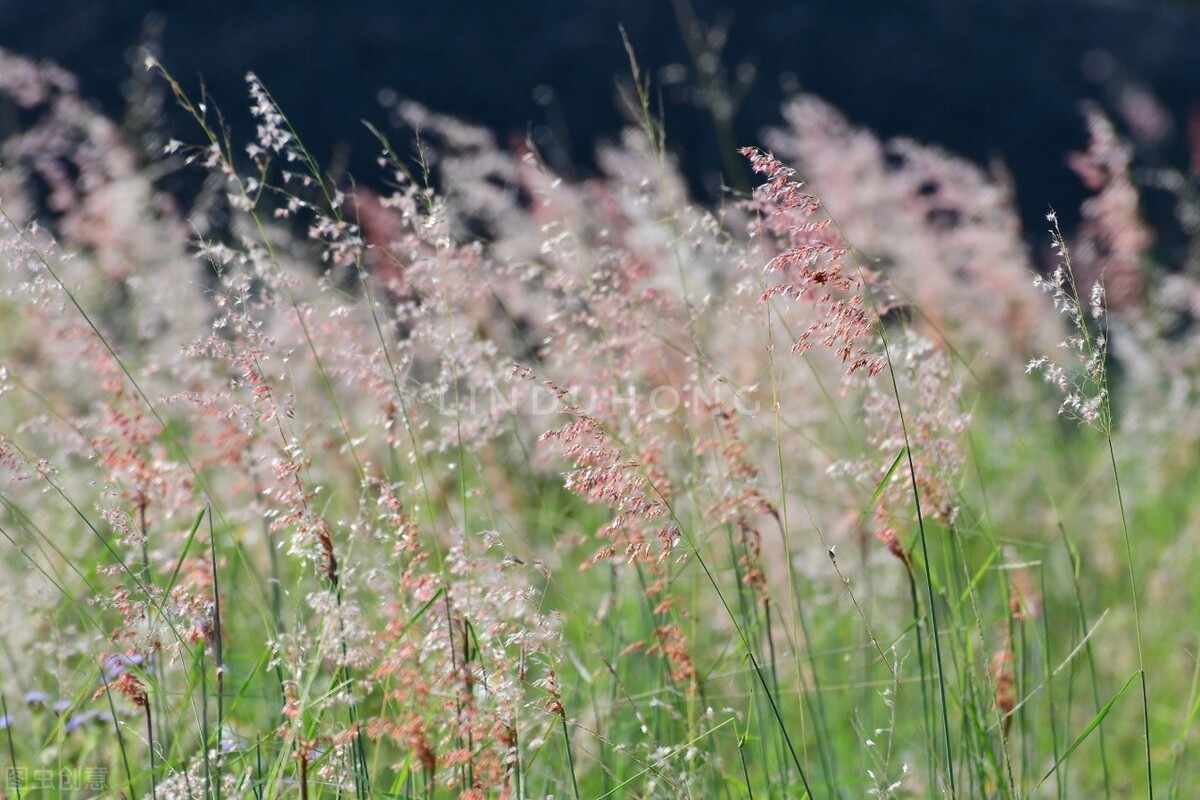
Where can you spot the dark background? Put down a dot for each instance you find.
(985, 78)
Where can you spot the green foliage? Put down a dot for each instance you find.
(324, 494)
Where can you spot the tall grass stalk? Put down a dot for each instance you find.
(1089, 398)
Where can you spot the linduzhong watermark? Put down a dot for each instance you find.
(88, 779)
(538, 401)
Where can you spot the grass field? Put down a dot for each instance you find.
(498, 484)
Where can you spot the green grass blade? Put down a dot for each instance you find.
(1091, 727)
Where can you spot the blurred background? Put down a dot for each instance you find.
(998, 81)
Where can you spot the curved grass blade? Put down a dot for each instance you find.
(1091, 726)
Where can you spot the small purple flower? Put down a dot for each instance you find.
(115, 665)
(36, 699)
(5, 721)
(61, 707)
(79, 720)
